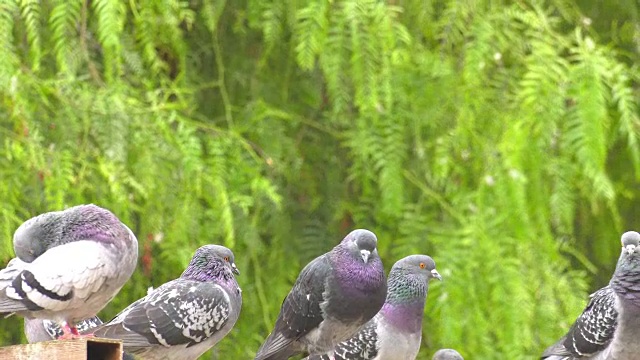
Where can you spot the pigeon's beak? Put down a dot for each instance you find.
(630, 249)
(436, 274)
(365, 255)
(234, 268)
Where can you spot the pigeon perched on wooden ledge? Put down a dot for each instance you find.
(185, 317)
(69, 264)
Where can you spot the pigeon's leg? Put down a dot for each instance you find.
(70, 332)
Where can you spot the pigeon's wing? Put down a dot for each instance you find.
(300, 311)
(593, 330)
(362, 346)
(65, 273)
(180, 312)
(9, 273)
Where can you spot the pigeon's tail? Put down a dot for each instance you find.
(282, 355)
(276, 351)
(557, 351)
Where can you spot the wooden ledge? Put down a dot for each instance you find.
(76, 349)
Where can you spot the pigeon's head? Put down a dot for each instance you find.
(211, 260)
(362, 244)
(630, 242)
(421, 265)
(35, 236)
(627, 272)
(447, 354)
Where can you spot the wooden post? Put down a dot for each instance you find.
(76, 349)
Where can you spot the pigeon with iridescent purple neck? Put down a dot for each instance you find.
(69, 264)
(447, 354)
(609, 326)
(185, 317)
(333, 297)
(396, 331)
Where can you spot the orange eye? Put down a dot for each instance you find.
(422, 265)
(226, 258)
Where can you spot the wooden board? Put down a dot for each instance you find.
(77, 349)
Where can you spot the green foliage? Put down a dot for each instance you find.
(499, 137)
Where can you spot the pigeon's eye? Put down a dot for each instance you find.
(226, 258)
(422, 265)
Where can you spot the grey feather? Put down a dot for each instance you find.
(69, 264)
(333, 297)
(396, 331)
(609, 326)
(185, 317)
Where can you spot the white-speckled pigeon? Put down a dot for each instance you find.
(185, 317)
(333, 297)
(396, 331)
(69, 264)
(609, 327)
(447, 354)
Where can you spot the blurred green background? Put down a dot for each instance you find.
(500, 137)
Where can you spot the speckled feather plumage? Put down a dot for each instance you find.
(333, 297)
(592, 332)
(185, 317)
(609, 326)
(69, 264)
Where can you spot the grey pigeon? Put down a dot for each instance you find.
(396, 331)
(69, 265)
(609, 326)
(185, 317)
(38, 330)
(333, 297)
(447, 354)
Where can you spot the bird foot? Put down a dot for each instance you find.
(70, 333)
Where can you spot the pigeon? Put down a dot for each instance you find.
(447, 354)
(38, 330)
(185, 317)
(609, 326)
(69, 264)
(334, 296)
(396, 331)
